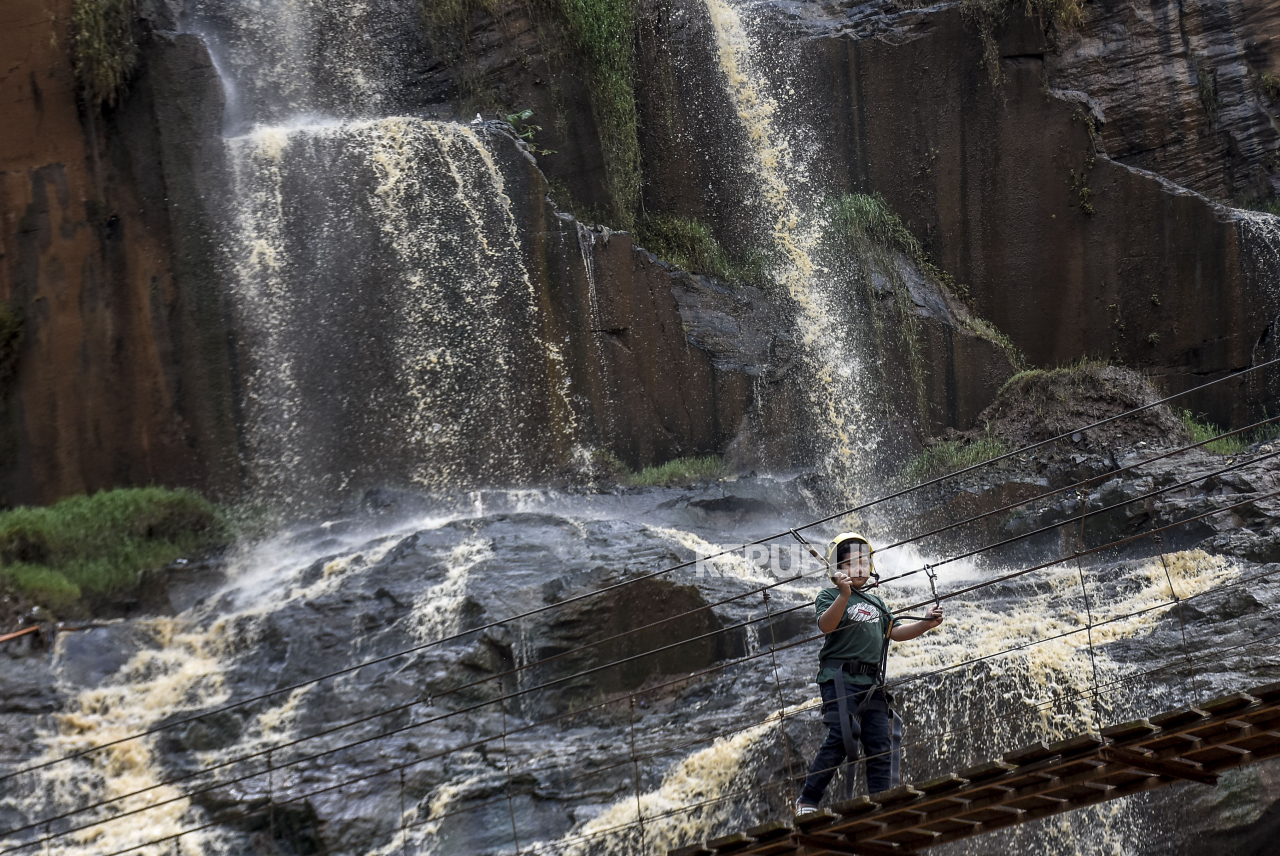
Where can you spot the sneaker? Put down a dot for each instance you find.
(803, 808)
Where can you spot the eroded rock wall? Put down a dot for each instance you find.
(1179, 89)
(119, 377)
(1069, 252)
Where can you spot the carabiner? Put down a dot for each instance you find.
(933, 584)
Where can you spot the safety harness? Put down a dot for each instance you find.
(850, 720)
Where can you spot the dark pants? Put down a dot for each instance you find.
(875, 743)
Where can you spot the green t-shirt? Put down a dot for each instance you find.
(860, 635)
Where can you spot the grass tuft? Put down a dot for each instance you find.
(867, 226)
(1080, 368)
(104, 51)
(1202, 430)
(951, 455)
(97, 545)
(686, 243)
(602, 33)
(600, 36)
(870, 217)
(1270, 85)
(680, 471)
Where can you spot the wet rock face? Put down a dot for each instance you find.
(1178, 89)
(325, 598)
(1064, 248)
(121, 374)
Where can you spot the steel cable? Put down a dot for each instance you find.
(1058, 700)
(606, 589)
(719, 667)
(389, 711)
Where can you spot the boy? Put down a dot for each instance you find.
(858, 626)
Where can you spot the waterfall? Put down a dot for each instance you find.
(792, 206)
(390, 323)
(388, 329)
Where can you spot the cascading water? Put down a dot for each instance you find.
(792, 204)
(388, 317)
(388, 327)
(390, 330)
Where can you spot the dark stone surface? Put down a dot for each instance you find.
(122, 374)
(1177, 89)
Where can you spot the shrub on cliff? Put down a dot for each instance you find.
(88, 547)
(105, 51)
(680, 471)
(1037, 404)
(687, 243)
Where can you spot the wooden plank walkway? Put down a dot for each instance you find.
(1191, 744)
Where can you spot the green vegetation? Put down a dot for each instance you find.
(679, 471)
(96, 545)
(519, 123)
(1271, 85)
(1207, 88)
(104, 50)
(1081, 367)
(686, 243)
(600, 40)
(951, 455)
(989, 15)
(866, 225)
(1202, 430)
(870, 217)
(1266, 206)
(984, 329)
(602, 33)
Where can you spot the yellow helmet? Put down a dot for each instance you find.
(844, 538)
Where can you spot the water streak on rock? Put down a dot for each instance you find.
(796, 229)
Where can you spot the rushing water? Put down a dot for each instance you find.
(389, 324)
(389, 321)
(792, 199)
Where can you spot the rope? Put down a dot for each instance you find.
(1085, 513)
(1182, 622)
(575, 713)
(506, 763)
(1117, 543)
(733, 794)
(32, 629)
(573, 676)
(480, 628)
(777, 684)
(1083, 483)
(571, 715)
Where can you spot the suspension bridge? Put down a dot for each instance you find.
(1195, 744)
(1191, 744)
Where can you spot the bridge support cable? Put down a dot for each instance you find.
(1195, 744)
(1084, 514)
(315, 756)
(1182, 622)
(1273, 639)
(1081, 484)
(595, 593)
(777, 685)
(506, 764)
(1088, 611)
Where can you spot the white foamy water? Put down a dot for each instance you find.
(792, 206)
(433, 295)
